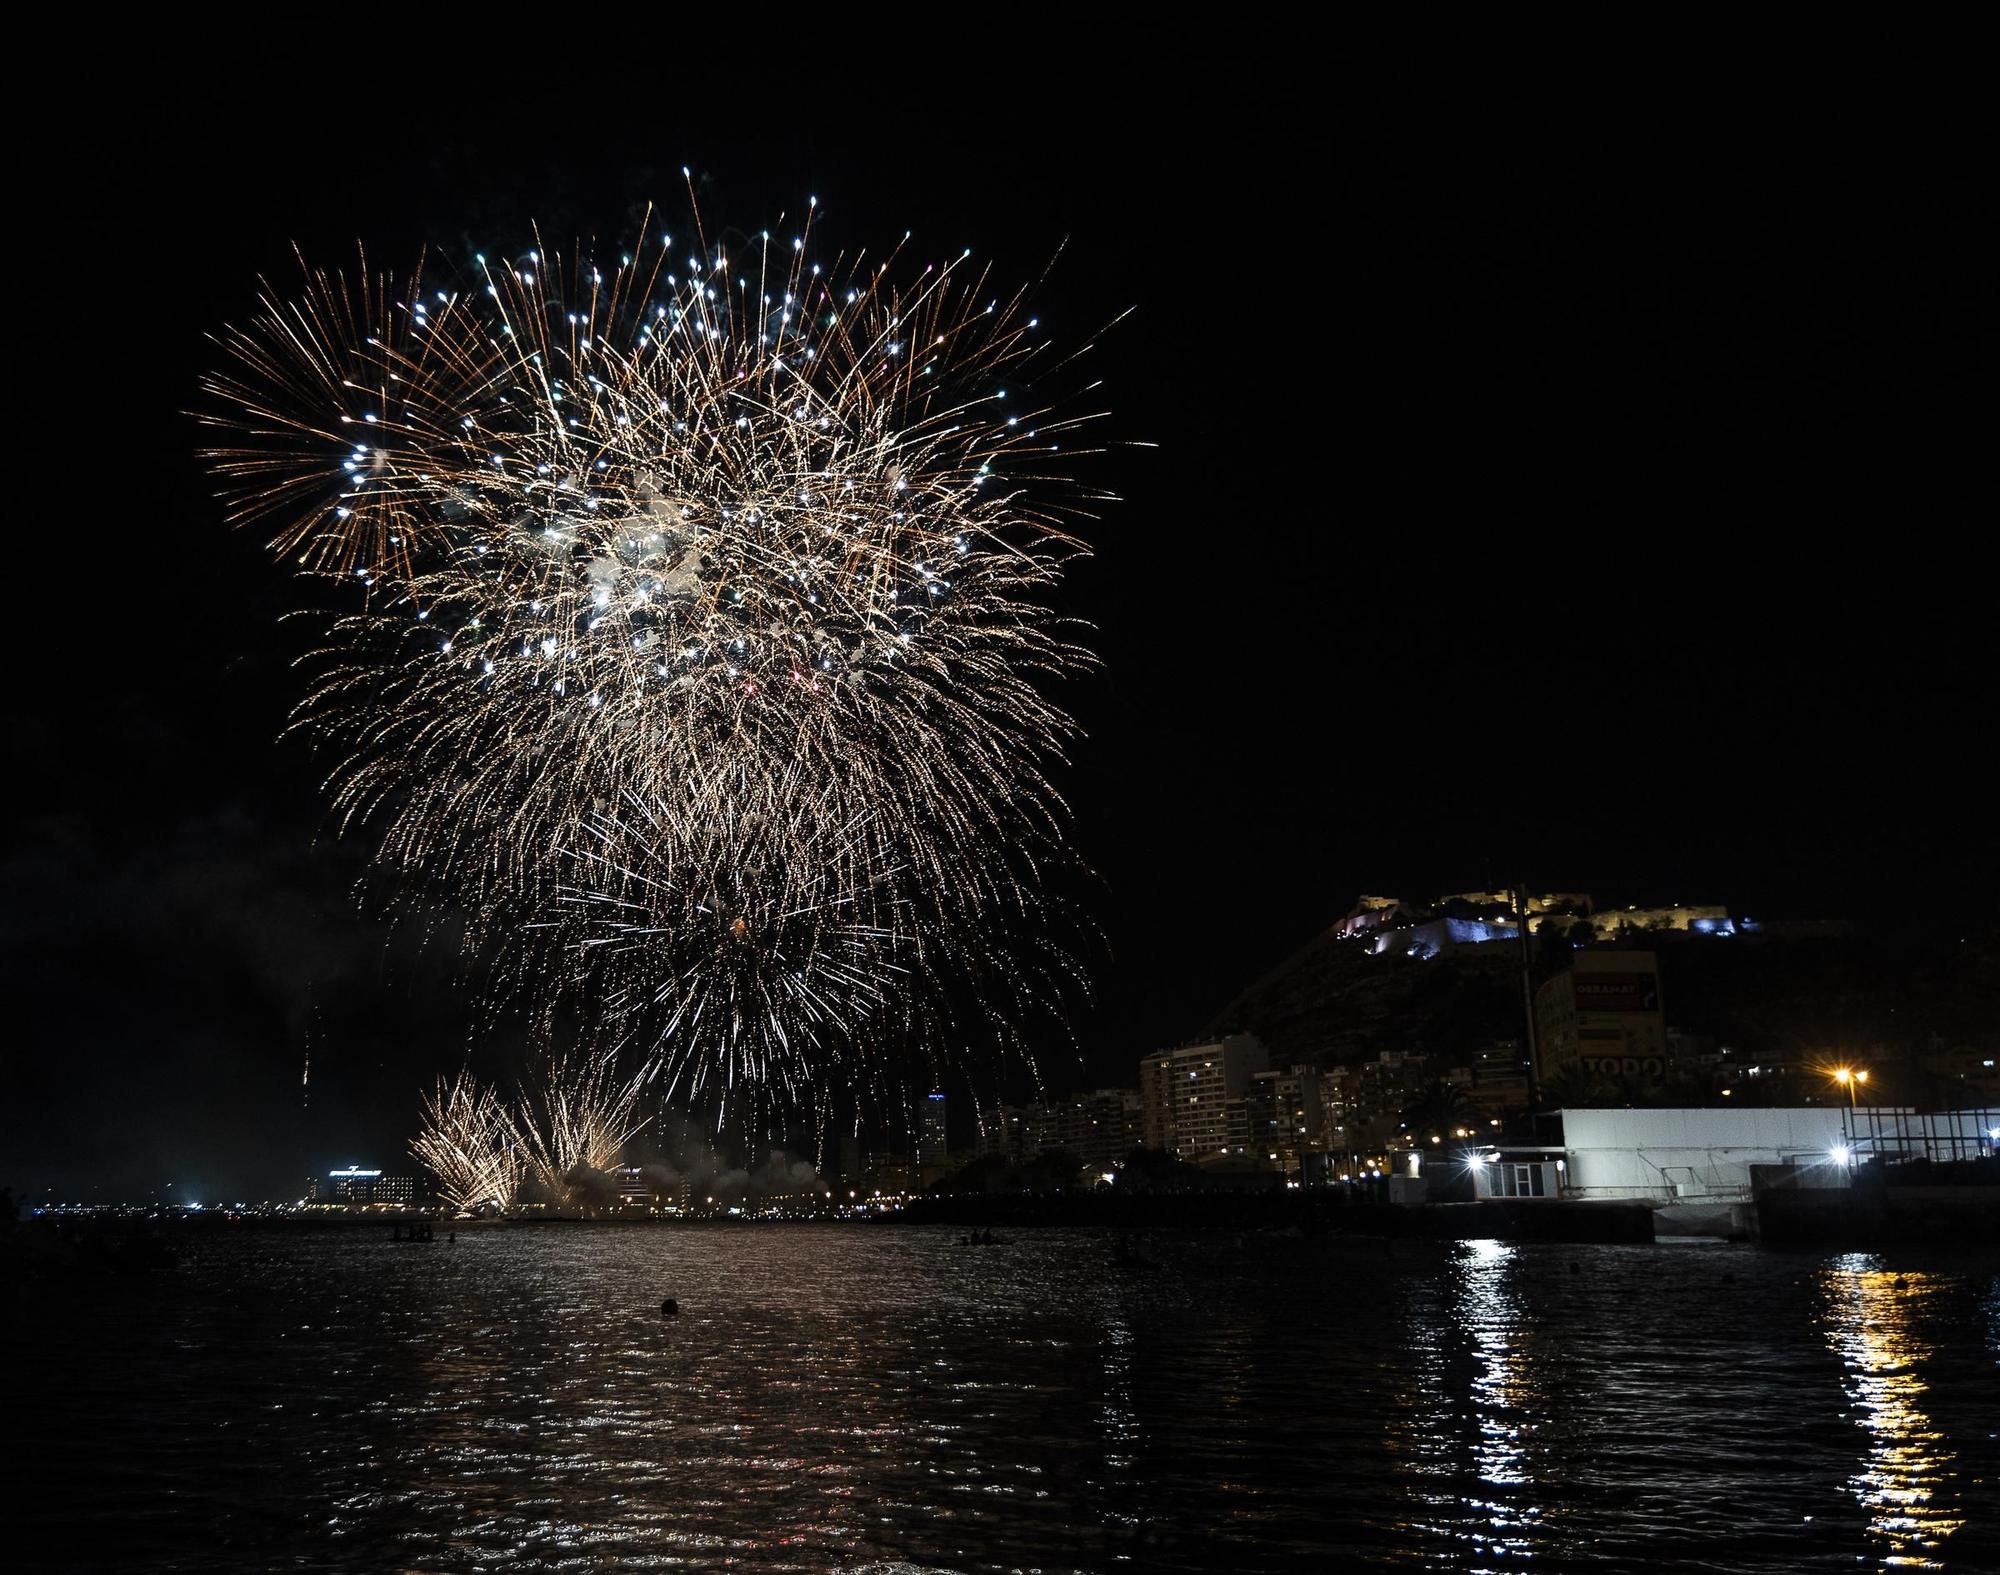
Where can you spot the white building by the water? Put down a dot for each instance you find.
(1696, 1155)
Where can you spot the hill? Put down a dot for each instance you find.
(1891, 993)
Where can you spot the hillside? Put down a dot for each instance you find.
(1894, 992)
(1332, 1002)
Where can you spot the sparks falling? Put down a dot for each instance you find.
(701, 630)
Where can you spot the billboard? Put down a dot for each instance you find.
(1616, 992)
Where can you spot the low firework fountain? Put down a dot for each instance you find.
(469, 1144)
(576, 1116)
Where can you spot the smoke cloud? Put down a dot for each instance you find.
(689, 1157)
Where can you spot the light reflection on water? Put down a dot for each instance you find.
(1464, 1424)
(1875, 1319)
(882, 1398)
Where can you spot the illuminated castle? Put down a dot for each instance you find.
(1472, 918)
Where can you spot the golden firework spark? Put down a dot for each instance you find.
(468, 1142)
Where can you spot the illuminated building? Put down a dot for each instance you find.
(1437, 937)
(1100, 1128)
(1519, 1173)
(931, 1134)
(1695, 1156)
(1963, 1072)
(1186, 1094)
(639, 1190)
(1363, 1102)
(1004, 1132)
(888, 1174)
(1283, 1114)
(1372, 913)
(1609, 926)
(1476, 918)
(1496, 1079)
(1233, 1149)
(351, 1184)
(1484, 915)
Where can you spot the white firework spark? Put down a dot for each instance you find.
(709, 587)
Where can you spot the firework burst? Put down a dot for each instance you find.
(706, 588)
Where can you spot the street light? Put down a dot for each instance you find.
(1850, 1079)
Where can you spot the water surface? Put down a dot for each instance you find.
(860, 1398)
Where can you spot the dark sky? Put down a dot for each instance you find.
(1591, 485)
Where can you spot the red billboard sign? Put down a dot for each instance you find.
(1617, 992)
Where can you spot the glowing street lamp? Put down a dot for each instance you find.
(1850, 1079)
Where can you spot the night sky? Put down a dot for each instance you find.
(1583, 487)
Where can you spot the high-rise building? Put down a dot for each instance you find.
(633, 1185)
(931, 1133)
(1362, 1102)
(1186, 1094)
(1496, 1078)
(1283, 1113)
(1100, 1127)
(1004, 1132)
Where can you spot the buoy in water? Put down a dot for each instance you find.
(669, 1308)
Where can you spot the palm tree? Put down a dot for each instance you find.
(1438, 1111)
(1578, 1086)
